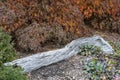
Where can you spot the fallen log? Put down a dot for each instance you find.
(38, 60)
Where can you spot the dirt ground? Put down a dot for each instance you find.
(70, 69)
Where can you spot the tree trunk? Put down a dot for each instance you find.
(38, 60)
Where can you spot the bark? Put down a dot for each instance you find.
(38, 60)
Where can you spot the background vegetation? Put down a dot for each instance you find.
(69, 17)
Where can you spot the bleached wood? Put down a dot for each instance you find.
(38, 60)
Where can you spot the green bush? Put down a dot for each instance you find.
(10, 73)
(7, 52)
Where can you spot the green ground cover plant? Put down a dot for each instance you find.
(101, 66)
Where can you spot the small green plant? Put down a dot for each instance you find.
(116, 48)
(95, 69)
(100, 70)
(7, 52)
(10, 73)
(116, 56)
(101, 66)
(89, 50)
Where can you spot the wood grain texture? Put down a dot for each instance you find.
(38, 60)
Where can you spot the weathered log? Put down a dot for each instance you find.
(38, 60)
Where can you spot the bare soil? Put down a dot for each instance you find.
(70, 69)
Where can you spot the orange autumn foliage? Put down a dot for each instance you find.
(98, 8)
(70, 14)
(22, 12)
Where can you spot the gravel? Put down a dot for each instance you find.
(70, 69)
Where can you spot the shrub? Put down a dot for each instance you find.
(101, 14)
(41, 37)
(16, 14)
(10, 73)
(70, 14)
(7, 52)
(98, 8)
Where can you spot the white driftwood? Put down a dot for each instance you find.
(38, 60)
